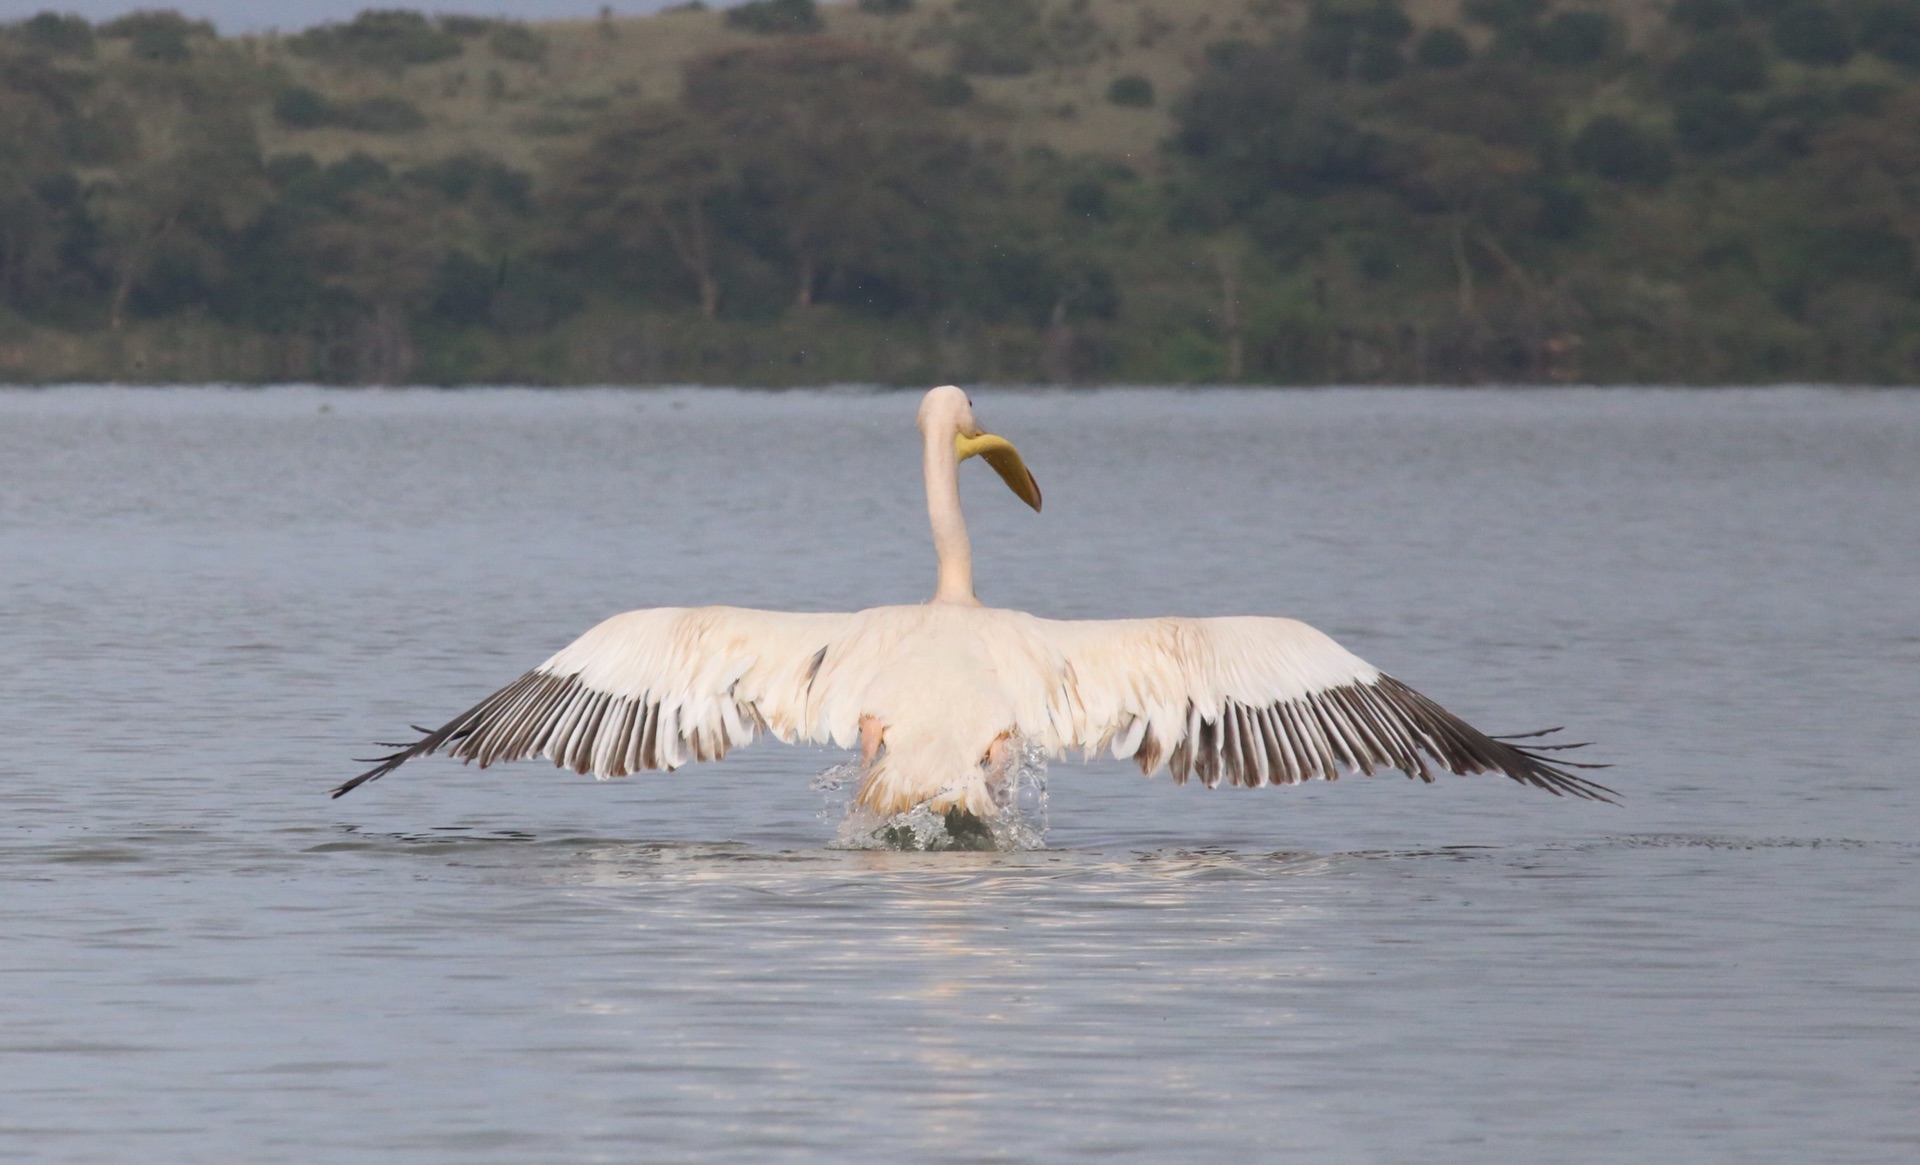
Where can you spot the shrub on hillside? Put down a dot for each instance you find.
(1868, 252)
(1617, 149)
(1713, 123)
(775, 16)
(63, 35)
(517, 42)
(1729, 62)
(468, 176)
(1442, 48)
(389, 38)
(1704, 15)
(1503, 15)
(1573, 38)
(1086, 200)
(949, 90)
(1891, 31)
(298, 107)
(383, 115)
(1563, 213)
(1812, 34)
(1251, 133)
(1132, 91)
(467, 27)
(158, 36)
(301, 108)
(997, 38)
(1360, 40)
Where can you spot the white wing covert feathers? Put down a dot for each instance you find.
(1263, 701)
(648, 689)
(1258, 701)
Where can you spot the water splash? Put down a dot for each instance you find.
(1019, 796)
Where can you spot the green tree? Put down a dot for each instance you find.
(1704, 15)
(1710, 123)
(1480, 189)
(841, 145)
(1578, 37)
(1813, 34)
(775, 16)
(656, 172)
(191, 175)
(1132, 91)
(1725, 61)
(998, 38)
(60, 34)
(1891, 30)
(1010, 38)
(388, 38)
(39, 203)
(1442, 47)
(162, 36)
(1253, 127)
(1623, 151)
(1357, 39)
(383, 253)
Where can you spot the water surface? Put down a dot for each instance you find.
(210, 600)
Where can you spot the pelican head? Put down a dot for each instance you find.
(946, 413)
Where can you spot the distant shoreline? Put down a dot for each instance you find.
(910, 192)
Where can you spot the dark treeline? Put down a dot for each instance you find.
(1523, 194)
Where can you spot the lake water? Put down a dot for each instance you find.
(210, 601)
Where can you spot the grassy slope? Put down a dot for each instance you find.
(533, 109)
(524, 113)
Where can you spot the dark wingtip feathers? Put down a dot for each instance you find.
(432, 740)
(1378, 724)
(1470, 750)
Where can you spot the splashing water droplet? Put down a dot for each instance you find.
(836, 778)
(1019, 821)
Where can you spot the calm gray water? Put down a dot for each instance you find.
(211, 600)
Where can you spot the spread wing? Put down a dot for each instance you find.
(649, 689)
(1265, 701)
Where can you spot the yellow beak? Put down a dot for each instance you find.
(1005, 459)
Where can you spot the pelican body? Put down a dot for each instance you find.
(934, 695)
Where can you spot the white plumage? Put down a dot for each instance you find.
(932, 694)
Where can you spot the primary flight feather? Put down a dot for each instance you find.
(935, 695)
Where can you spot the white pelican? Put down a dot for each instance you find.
(934, 694)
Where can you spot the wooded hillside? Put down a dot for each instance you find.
(917, 191)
